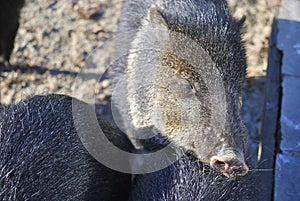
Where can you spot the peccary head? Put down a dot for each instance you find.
(185, 70)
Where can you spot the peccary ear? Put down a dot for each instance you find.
(155, 16)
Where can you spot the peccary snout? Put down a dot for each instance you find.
(230, 162)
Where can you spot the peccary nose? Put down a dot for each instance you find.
(230, 164)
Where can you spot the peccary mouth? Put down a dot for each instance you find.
(230, 163)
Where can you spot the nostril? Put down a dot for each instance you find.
(238, 170)
(219, 164)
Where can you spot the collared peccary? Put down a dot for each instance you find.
(188, 179)
(42, 157)
(183, 65)
(9, 24)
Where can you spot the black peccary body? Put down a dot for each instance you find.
(184, 65)
(188, 179)
(9, 24)
(42, 157)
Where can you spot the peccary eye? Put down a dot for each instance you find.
(182, 87)
(185, 86)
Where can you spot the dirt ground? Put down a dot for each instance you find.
(59, 39)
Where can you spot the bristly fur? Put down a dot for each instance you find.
(42, 157)
(190, 179)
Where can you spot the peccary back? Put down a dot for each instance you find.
(42, 157)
